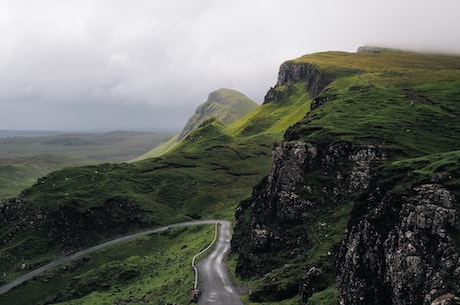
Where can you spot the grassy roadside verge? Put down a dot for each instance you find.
(151, 269)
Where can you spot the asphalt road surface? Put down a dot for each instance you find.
(215, 283)
(62, 260)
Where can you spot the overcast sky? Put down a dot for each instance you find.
(118, 64)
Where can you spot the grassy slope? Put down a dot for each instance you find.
(153, 268)
(233, 105)
(407, 102)
(161, 149)
(24, 159)
(19, 173)
(226, 105)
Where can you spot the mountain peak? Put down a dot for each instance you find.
(226, 105)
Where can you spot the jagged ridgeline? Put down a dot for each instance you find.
(361, 203)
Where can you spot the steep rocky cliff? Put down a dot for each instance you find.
(309, 187)
(291, 73)
(349, 213)
(401, 247)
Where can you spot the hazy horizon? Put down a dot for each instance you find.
(5, 133)
(108, 65)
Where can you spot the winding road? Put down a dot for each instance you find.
(215, 282)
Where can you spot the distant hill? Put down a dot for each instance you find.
(28, 155)
(5, 133)
(225, 105)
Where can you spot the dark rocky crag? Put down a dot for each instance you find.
(291, 73)
(400, 250)
(399, 242)
(306, 184)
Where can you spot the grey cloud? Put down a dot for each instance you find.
(109, 56)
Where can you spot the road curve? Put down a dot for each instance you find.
(215, 283)
(65, 259)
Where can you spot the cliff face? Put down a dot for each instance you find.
(397, 249)
(336, 220)
(305, 187)
(408, 256)
(291, 73)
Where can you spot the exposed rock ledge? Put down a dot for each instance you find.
(292, 72)
(305, 180)
(398, 248)
(405, 258)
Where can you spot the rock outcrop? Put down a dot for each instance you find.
(397, 250)
(405, 258)
(292, 72)
(305, 181)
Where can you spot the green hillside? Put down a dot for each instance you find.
(406, 104)
(225, 105)
(159, 150)
(19, 173)
(32, 155)
(409, 101)
(149, 269)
